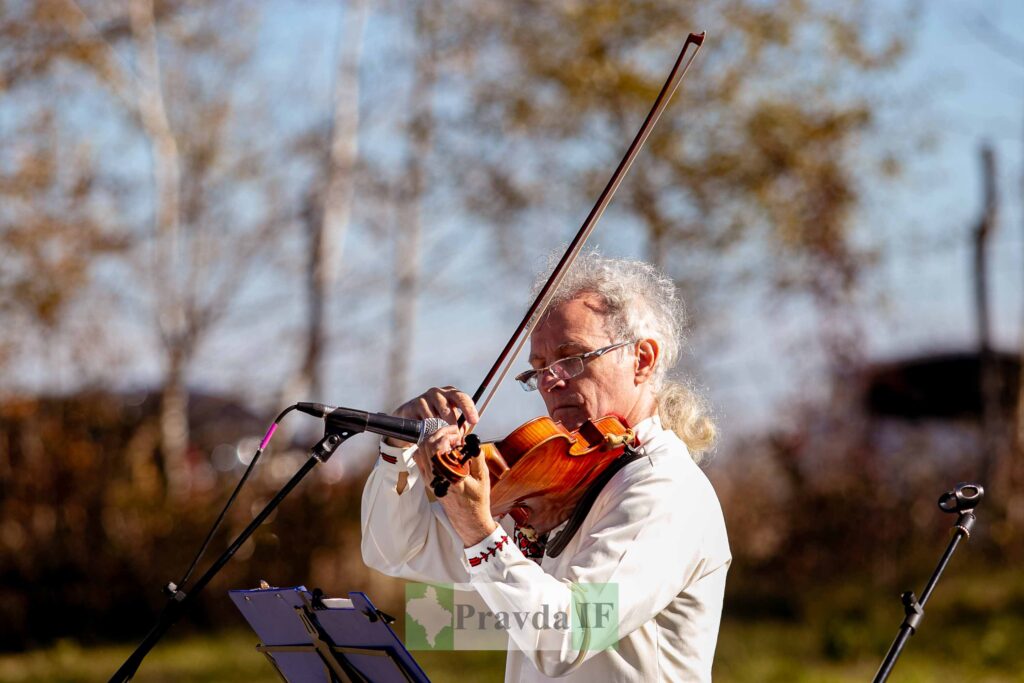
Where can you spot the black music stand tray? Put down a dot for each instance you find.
(307, 638)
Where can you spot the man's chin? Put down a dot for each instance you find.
(571, 417)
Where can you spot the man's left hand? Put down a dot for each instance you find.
(468, 503)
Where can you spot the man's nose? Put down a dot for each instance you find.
(548, 381)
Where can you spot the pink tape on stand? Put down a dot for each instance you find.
(269, 436)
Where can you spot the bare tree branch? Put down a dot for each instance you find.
(327, 235)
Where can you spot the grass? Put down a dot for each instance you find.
(224, 657)
(973, 633)
(764, 652)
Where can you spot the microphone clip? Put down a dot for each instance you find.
(964, 496)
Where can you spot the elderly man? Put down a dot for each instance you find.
(655, 530)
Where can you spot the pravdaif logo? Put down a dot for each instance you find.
(455, 617)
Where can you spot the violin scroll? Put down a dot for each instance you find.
(453, 466)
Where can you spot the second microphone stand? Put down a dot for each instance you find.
(962, 499)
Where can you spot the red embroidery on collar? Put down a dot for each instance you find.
(531, 544)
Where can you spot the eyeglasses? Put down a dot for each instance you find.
(564, 368)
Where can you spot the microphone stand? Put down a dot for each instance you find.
(962, 499)
(335, 433)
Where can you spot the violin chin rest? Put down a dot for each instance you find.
(612, 441)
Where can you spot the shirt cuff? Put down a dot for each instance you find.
(398, 457)
(493, 551)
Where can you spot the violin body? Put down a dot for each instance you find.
(540, 471)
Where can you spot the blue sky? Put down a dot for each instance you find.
(954, 88)
(977, 96)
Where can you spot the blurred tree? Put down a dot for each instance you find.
(752, 172)
(329, 203)
(995, 35)
(86, 531)
(176, 326)
(990, 379)
(412, 188)
(209, 208)
(51, 235)
(756, 179)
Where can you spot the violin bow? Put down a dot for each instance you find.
(518, 339)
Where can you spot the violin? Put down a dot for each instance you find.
(541, 471)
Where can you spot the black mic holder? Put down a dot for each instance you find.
(961, 500)
(179, 600)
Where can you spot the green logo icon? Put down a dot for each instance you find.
(429, 617)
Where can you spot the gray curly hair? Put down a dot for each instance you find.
(641, 302)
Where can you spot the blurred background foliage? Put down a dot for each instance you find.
(185, 224)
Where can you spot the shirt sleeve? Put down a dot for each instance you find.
(405, 534)
(645, 546)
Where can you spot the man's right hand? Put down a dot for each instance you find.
(446, 403)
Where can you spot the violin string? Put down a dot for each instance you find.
(505, 361)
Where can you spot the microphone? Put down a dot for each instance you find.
(378, 423)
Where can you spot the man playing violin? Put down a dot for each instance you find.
(655, 530)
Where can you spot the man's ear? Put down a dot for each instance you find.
(648, 353)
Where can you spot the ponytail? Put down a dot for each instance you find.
(684, 412)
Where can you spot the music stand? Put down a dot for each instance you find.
(309, 639)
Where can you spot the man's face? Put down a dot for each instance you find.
(607, 384)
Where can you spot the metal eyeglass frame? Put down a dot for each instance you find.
(565, 368)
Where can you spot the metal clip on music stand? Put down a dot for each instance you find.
(309, 639)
